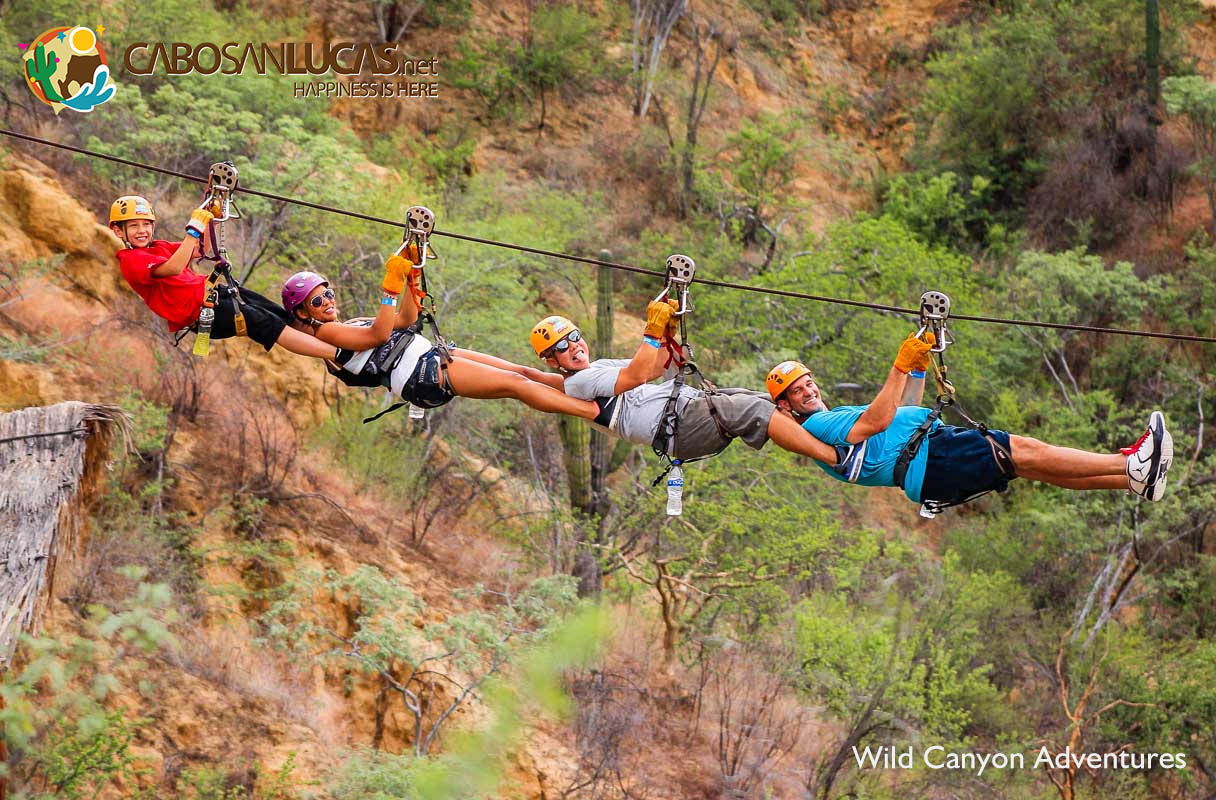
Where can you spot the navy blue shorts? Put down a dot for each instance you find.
(962, 463)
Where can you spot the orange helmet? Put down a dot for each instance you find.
(781, 376)
(548, 331)
(131, 206)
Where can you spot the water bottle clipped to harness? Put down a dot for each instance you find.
(680, 271)
(221, 183)
(934, 316)
(419, 225)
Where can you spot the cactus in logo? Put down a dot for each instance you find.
(66, 67)
(41, 68)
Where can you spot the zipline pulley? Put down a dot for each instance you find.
(222, 181)
(419, 225)
(934, 312)
(679, 276)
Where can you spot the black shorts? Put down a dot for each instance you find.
(427, 386)
(962, 463)
(264, 320)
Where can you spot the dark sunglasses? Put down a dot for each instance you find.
(564, 343)
(320, 299)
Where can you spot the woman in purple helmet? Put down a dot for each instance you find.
(389, 349)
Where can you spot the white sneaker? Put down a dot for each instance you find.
(1149, 459)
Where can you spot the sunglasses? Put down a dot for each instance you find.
(564, 343)
(320, 299)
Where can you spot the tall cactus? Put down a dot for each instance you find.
(1152, 51)
(601, 445)
(42, 69)
(577, 444)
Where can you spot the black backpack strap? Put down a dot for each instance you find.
(388, 410)
(912, 447)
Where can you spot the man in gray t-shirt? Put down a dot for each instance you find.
(632, 407)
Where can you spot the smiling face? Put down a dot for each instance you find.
(802, 398)
(320, 306)
(576, 357)
(138, 232)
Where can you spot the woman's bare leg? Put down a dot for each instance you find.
(789, 435)
(481, 381)
(1048, 463)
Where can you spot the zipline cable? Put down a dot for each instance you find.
(1182, 337)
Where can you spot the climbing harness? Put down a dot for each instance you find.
(419, 225)
(934, 314)
(679, 276)
(222, 181)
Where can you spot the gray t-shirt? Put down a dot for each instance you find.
(637, 417)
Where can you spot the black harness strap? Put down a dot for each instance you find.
(1000, 454)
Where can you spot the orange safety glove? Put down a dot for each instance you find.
(913, 353)
(411, 252)
(658, 314)
(198, 221)
(923, 364)
(395, 270)
(673, 324)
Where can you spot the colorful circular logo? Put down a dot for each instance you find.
(66, 68)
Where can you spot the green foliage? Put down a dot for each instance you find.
(76, 762)
(561, 50)
(432, 669)
(764, 154)
(792, 14)
(210, 782)
(1195, 98)
(474, 764)
(942, 209)
(1000, 92)
(58, 715)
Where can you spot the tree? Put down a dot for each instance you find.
(725, 557)
(653, 21)
(1195, 98)
(432, 670)
(902, 662)
(704, 37)
(765, 153)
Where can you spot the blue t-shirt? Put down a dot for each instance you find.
(882, 449)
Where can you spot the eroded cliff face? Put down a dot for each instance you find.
(78, 332)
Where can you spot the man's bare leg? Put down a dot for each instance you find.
(789, 435)
(1049, 463)
(1118, 482)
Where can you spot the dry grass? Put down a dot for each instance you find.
(232, 661)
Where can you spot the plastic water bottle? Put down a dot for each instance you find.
(202, 339)
(415, 412)
(675, 491)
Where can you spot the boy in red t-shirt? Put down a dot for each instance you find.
(160, 274)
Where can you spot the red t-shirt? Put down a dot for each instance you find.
(176, 298)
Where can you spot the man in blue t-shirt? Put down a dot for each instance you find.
(941, 465)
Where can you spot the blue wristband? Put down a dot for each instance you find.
(194, 233)
(653, 342)
(388, 300)
(916, 373)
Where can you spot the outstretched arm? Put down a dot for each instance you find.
(881, 410)
(176, 264)
(914, 390)
(647, 363)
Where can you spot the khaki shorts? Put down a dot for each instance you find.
(742, 413)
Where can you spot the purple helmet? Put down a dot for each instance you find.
(297, 288)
